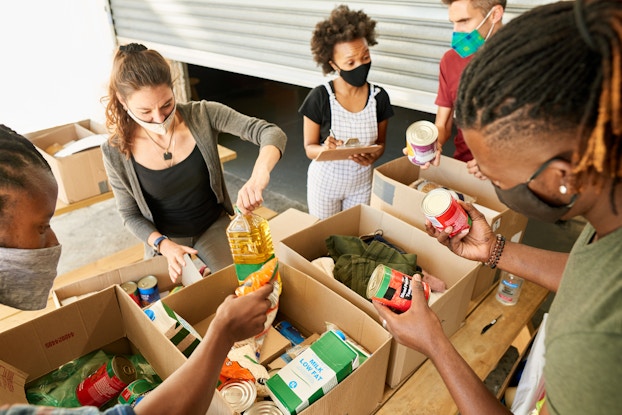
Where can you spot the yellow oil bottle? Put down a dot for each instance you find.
(250, 242)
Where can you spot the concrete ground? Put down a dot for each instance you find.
(96, 231)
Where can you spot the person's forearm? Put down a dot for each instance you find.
(468, 391)
(190, 389)
(539, 266)
(268, 156)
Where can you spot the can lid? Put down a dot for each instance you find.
(436, 202)
(240, 394)
(422, 133)
(264, 408)
(123, 369)
(149, 281)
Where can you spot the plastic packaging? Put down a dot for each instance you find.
(509, 288)
(250, 242)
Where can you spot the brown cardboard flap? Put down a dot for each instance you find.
(12, 381)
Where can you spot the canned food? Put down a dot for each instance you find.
(148, 290)
(107, 382)
(393, 288)
(131, 288)
(264, 408)
(240, 394)
(421, 142)
(135, 392)
(442, 209)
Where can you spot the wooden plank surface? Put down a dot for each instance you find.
(425, 393)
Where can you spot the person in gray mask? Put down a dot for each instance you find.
(29, 254)
(541, 110)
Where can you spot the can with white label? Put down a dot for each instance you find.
(421, 142)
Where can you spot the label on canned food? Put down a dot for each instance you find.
(148, 290)
(106, 383)
(393, 288)
(135, 391)
(440, 208)
(421, 142)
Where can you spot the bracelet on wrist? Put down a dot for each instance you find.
(158, 241)
(496, 252)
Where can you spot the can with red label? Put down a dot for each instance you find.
(421, 142)
(148, 290)
(131, 288)
(107, 382)
(442, 209)
(393, 288)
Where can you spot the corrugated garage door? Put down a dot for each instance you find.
(270, 38)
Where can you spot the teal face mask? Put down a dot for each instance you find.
(466, 44)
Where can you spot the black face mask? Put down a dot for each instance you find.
(522, 199)
(357, 76)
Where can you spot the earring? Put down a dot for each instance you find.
(563, 189)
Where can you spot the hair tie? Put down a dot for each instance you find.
(132, 48)
(579, 15)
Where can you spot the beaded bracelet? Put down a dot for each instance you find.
(497, 250)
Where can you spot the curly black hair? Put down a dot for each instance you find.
(343, 25)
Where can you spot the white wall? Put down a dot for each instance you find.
(55, 59)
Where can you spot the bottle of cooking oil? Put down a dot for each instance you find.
(250, 242)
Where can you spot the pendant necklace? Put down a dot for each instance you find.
(167, 155)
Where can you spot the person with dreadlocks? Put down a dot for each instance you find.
(29, 254)
(541, 110)
(345, 107)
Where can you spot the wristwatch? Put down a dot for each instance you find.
(158, 241)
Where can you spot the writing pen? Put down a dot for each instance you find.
(489, 325)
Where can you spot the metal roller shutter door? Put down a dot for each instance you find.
(270, 38)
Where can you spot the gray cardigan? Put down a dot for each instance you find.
(205, 120)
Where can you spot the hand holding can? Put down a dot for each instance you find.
(443, 211)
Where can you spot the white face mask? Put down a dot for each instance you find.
(27, 275)
(154, 127)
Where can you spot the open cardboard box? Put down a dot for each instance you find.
(307, 305)
(156, 266)
(299, 249)
(288, 222)
(391, 193)
(108, 320)
(81, 175)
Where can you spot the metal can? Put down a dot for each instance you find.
(107, 382)
(135, 392)
(264, 408)
(131, 288)
(148, 290)
(442, 209)
(239, 394)
(393, 288)
(421, 142)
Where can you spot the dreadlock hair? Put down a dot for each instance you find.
(556, 68)
(134, 67)
(18, 157)
(343, 25)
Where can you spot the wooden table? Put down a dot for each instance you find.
(225, 154)
(424, 391)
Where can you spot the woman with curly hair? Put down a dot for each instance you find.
(346, 107)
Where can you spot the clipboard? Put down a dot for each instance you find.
(342, 153)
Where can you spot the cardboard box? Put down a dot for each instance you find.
(308, 305)
(81, 175)
(391, 193)
(299, 249)
(157, 266)
(108, 320)
(288, 222)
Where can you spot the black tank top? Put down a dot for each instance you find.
(180, 197)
